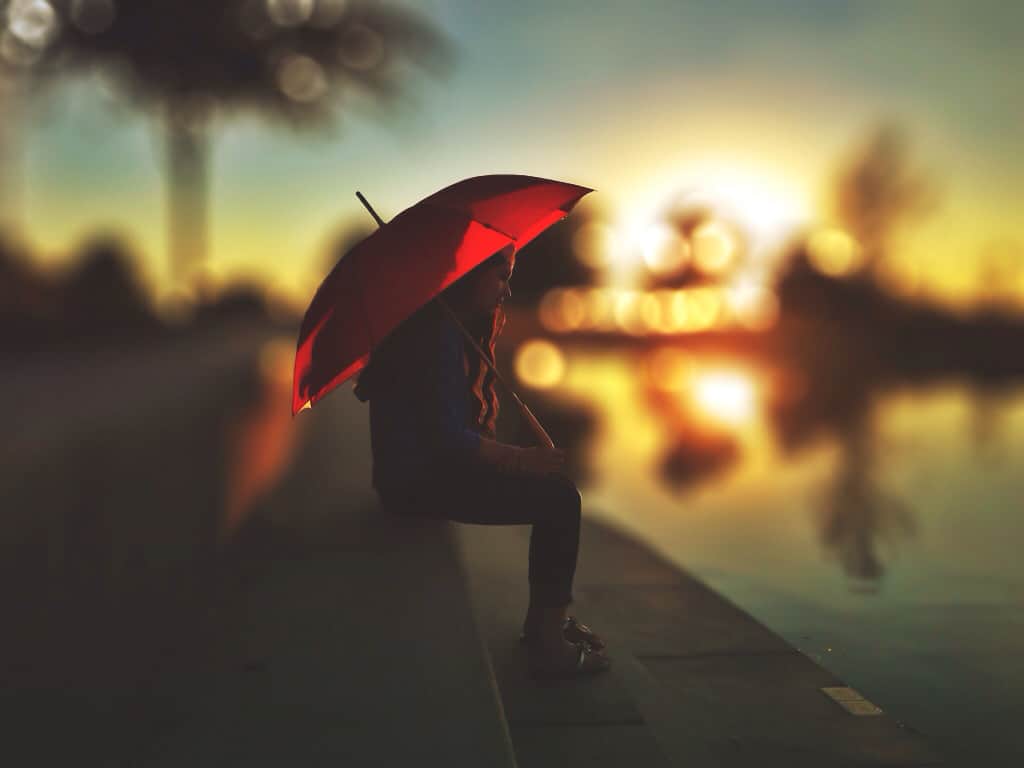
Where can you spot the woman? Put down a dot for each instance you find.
(433, 409)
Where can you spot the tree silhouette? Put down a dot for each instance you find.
(877, 190)
(189, 61)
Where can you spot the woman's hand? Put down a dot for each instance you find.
(541, 460)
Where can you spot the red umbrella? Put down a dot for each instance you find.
(410, 260)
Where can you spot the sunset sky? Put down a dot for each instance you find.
(752, 104)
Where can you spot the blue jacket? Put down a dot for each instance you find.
(420, 404)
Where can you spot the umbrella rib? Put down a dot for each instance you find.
(483, 224)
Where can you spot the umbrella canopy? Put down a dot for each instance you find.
(410, 260)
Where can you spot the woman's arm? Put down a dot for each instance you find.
(449, 395)
(511, 459)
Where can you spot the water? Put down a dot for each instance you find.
(886, 547)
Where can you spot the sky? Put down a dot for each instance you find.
(753, 104)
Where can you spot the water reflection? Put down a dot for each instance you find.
(671, 421)
(857, 517)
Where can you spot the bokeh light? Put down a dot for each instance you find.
(627, 312)
(539, 364)
(328, 13)
(290, 13)
(599, 315)
(362, 49)
(562, 309)
(33, 22)
(703, 308)
(301, 79)
(594, 244)
(753, 305)
(714, 248)
(834, 252)
(724, 396)
(665, 251)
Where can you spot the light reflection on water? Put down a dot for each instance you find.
(888, 550)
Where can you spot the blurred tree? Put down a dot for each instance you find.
(877, 190)
(103, 295)
(188, 61)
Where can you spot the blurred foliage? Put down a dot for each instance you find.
(287, 59)
(878, 189)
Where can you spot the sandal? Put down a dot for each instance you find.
(588, 661)
(575, 631)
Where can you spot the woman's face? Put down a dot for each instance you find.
(491, 287)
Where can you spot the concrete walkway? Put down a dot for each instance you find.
(694, 682)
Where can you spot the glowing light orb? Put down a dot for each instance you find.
(594, 244)
(627, 313)
(362, 49)
(301, 79)
(753, 305)
(727, 397)
(598, 309)
(664, 250)
(834, 253)
(540, 364)
(290, 13)
(328, 13)
(33, 22)
(703, 308)
(714, 248)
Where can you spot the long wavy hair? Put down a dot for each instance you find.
(485, 330)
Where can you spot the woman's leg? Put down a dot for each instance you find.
(551, 504)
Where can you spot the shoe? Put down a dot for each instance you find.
(576, 632)
(588, 661)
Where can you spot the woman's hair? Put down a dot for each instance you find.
(485, 330)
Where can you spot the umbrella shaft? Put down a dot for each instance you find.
(535, 425)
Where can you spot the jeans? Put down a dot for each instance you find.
(550, 503)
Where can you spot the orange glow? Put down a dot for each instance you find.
(261, 442)
(669, 369)
(540, 364)
(724, 396)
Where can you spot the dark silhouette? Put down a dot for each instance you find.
(877, 190)
(102, 295)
